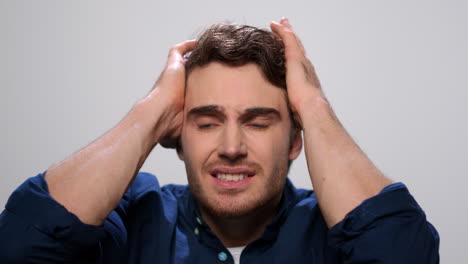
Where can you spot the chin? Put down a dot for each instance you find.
(235, 203)
(227, 206)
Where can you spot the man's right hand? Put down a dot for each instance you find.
(168, 91)
(92, 181)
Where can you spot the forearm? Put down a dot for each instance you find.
(91, 182)
(340, 172)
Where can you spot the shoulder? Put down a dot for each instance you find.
(145, 200)
(302, 207)
(146, 184)
(303, 222)
(298, 197)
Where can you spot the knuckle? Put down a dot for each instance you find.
(175, 48)
(172, 49)
(290, 33)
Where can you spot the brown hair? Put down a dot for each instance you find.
(237, 45)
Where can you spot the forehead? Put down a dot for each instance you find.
(235, 88)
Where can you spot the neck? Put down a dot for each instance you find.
(241, 230)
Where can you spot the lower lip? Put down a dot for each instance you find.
(232, 184)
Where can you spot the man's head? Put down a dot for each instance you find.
(238, 137)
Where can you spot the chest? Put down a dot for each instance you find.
(184, 243)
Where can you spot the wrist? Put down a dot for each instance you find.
(162, 115)
(315, 109)
(145, 116)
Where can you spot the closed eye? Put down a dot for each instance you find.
(206, 126)
(259, 126)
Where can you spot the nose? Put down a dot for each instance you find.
(232, 145)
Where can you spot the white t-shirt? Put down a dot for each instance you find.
(236, 253)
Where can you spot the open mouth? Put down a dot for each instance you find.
(231, 177)
(232, 174)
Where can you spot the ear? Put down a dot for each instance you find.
(180, 151)
(180, 154)
(296, 145)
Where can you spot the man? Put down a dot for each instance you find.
(233, 103)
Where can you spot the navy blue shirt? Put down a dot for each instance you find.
(154, 224)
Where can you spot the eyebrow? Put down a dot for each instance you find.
(210, 110)
(251, 113)
(247, 115)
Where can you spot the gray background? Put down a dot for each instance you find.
(394, 71)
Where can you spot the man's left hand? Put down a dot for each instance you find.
(303, 85)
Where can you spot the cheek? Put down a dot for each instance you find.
(196, 147)
(269, 148)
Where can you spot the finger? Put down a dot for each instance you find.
(294, 51)
(293, 48)
(185, 46)
(285, 21)
(178, 50)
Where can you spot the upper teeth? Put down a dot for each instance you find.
(231, 177)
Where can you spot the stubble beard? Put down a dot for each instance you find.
(233, 204)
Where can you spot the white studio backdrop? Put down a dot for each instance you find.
(395, 73)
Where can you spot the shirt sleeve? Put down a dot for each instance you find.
(34, 228)
(387, 228)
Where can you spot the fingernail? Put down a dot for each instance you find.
(274, 22)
